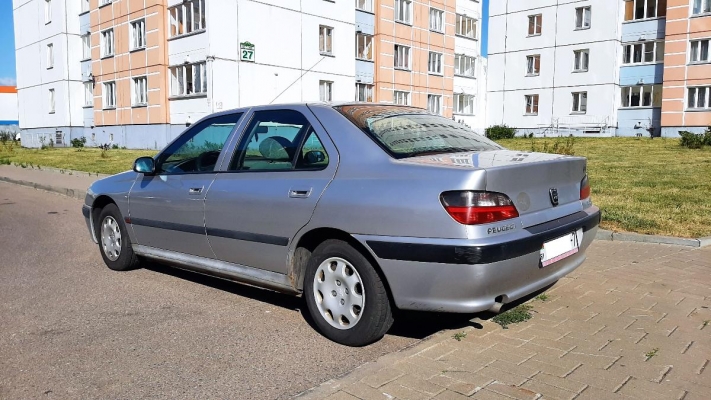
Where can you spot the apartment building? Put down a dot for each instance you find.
(137, 73)
(8, 109)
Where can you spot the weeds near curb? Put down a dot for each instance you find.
(651, 353)
(514, 316)
(459, 336)
(543, 297)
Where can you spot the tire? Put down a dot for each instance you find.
(114, 244)
(360, 296)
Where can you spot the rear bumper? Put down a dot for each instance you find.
(465, 278)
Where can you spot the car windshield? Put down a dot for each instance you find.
(409, 132)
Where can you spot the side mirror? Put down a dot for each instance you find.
(145, 165)
(314, 157)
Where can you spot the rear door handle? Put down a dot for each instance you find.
(195, 190)
(300, 194)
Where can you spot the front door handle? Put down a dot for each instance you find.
(195, 190)
(300, 193)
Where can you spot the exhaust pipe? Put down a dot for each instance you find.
(499, 302)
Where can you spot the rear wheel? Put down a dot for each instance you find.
(345, 295)
(114, 244)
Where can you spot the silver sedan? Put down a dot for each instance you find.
(360, 208)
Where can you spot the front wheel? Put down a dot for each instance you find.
(345, 295)
(114, 244)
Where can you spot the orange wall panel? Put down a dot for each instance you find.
(697, 119)
(675, 119)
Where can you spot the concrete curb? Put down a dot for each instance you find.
(77, 194)
(603, 234)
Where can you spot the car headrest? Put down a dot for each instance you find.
(276, 148)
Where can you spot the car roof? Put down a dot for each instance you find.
(309, 104)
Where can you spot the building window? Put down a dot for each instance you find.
(365, 5)
(364, 46)
(86, 46)
(463, 103)
(105, 2)
(699, 51)
(581, 60)
(84, 6)
(47, 11)
(699, 97)
(436, 20)
(580, 102)
(403, 11)
(138, 34)
(531, 104)
(325, 90)
(582, 17)
(402, 98)
(642, 9)
(402, 57)
(50, 56)
(535, 23)
(107, 43)
(140, 91)
(188, 79)
(364, 92)
(533, 65)
(434, 103)
(434, 65)
(701, 6)
(642, 96)
(51, 101)
(464, 65)
(325, 40)
(109, 96)
(88, 94)
(466, 26)
(645, 52)
(187, 17)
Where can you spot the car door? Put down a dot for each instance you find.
(167, 209)
(270, 187)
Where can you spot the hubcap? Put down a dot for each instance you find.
(339, 294)
(111, 238)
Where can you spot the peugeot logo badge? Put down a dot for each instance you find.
(553, 192)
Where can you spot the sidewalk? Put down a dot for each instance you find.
(52, 180)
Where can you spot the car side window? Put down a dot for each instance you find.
(312, 155)
(198, 149)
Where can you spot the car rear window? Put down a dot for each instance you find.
(409, 132)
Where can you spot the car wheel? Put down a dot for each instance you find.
(114, 244)
(345, 295)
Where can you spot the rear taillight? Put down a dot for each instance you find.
(584, 188)
(474, 208)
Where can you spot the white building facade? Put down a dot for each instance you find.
(470, 69)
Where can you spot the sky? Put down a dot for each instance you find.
(484, 28)
(7, 44)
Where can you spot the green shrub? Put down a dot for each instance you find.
(707, 136)
(691, 140)
(498, 132)
(78, 142)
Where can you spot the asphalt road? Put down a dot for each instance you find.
(72, 328)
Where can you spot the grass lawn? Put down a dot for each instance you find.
(642, 185)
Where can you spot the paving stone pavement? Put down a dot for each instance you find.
(634, 321)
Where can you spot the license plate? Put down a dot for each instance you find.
(563, 247)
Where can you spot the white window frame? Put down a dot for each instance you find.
(700, 7)
(464, 103)
(436, 20)
(693, 92)
(402, 57)
(367, 91)
(583, 18)
(466, 27)
(401, 97)
(88, 94)
(105, 2)
(434, 103)
(47, 11)
(84, 6)
(581, 60)
(325, 40)
(364, 5)
(325, 90)
(537, 20)
(434, 63)
(531, 65)
(464, 65)
(403, 11)
(531, 103)
(51, 101)
(627, 92)
(107, 43)
(182, 18)
(629, 52)
(139, 91)
(185, 77)
(86, 46)
(50, 56)
(137, 34)
(367, 46)
(108, 97)
(645, 11)
(582, 103)
(696, 48)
